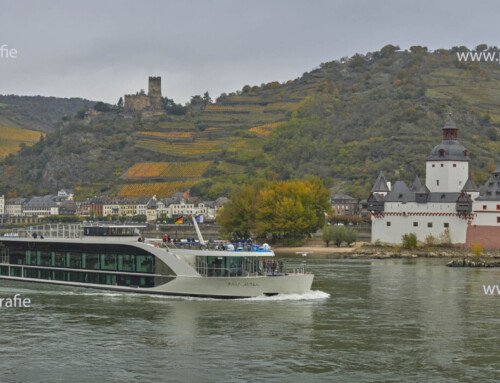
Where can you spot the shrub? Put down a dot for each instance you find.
(327, 235)
(339, 235)
(445, 238)
(430, 240)
(477, 249)
(409, 241)
(351, 236)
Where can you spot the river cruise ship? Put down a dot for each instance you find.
(118, 258)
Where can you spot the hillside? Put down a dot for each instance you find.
(22, 118)
(343, 121)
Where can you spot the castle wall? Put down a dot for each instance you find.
(487, 236)
(136, 103)
(431, 219)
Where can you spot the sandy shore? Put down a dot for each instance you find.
(313, 248)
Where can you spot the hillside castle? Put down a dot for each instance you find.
(141, 102)
(448, 206)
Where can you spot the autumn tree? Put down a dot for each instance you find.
(285, 210)
(237, 217)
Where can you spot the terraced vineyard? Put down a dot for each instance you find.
(167, 135)
(266, 129)
(160, 189)
(167, 170)
(11, 139)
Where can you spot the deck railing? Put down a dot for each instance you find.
(58, 230)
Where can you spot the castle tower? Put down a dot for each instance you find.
(154, 92)
(447, 168)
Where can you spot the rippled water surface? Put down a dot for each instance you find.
(365, 321)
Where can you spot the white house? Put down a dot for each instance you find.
(448, 205)
(14, 207)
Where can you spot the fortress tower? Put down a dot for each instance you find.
(146, 103)
(154, 92)
(447, 168)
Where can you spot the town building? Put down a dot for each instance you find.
(14, 207)
(343, 204)
(2, 205)
(449, 206)
(41, 207)
(191, 206)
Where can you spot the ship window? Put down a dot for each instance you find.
(91, 261)
(43, 258)
(446, 225)
(429, 224)
(388, 223)
(58, 275)
(75, 260)
(58, 259)
(108, 262)
(415, 224)
(125, 263)
(16, 272)
(107, 279)
(144, 263)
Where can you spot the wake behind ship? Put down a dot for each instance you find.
(111, 257)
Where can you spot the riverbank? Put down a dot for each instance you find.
(364, 250)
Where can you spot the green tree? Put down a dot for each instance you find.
(327, 235)
(285, 210)
(120, 103)
(292, 209)
(207, 100)
(339, 235)
(81, 112)
(237, 217)
(101, 107)
(351, 236)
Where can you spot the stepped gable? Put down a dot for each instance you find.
(380, 184)
(491, 190)
(449, 149)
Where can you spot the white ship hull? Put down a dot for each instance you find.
(224, 288)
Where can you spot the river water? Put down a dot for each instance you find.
(365, 321)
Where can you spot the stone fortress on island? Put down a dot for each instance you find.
(449, 206)
(151, 102)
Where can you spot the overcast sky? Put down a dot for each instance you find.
(101, 49)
